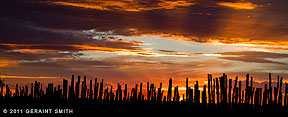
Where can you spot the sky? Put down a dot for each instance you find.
(133, 41)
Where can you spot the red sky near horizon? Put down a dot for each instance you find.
(133, 41)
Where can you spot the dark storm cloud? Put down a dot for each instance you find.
(20, 35)
(14, 31)
(37, 22)
(203, 19)
(66, 17)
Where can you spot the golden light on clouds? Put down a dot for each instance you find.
(269, 45)
(237, 41)
(167, 36)
(7, 63)
(34, 50)
(61, 58)
(239, 5)
(125, 5)
(82, 5)
(121, 51)
(209, 54)
(91, 48)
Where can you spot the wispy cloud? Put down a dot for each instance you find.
(61, 58)
(253, 56)
(41, 48)
(239, 5)
(126, 5)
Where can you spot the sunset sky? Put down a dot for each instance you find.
(133, 41)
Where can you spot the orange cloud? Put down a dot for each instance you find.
(129, 51)
(244, 42)
(62, 58)
(125, 5)
(239, 5)
(90, 48)
(6, 63)
(34, 50)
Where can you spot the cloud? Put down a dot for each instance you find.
(129, 67)
(210, 22)
(35, 39)
(126, 5)
(40, 48)
(4, 62)
(169, 51)
(246, 59)
(254, 56)
(239, 5)
(63, 58)
(17, 56)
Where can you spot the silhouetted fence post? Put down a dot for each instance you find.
(135, 93)
(240, 90)
(252, 89)
(280, 92)
(100, 91)
(71, 88)
(140, 92)
(213, 92)
(26, 91)
(260, 98)
(65, 84)
(169, 90)
(247, 90)
(209, 88)
(217, 91)
(204, 101)
(270, 90)
(276, 91)
(187, 90)
(83, 89)
(125, 93)
(1, 86)
(7, 95)
(148, 92)
(96, 86)
(197, 93)
(77, 88)
(229, 93)
(285, 95)
(159, 96)
(251, 98)
(90, 91)
(265, 95)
